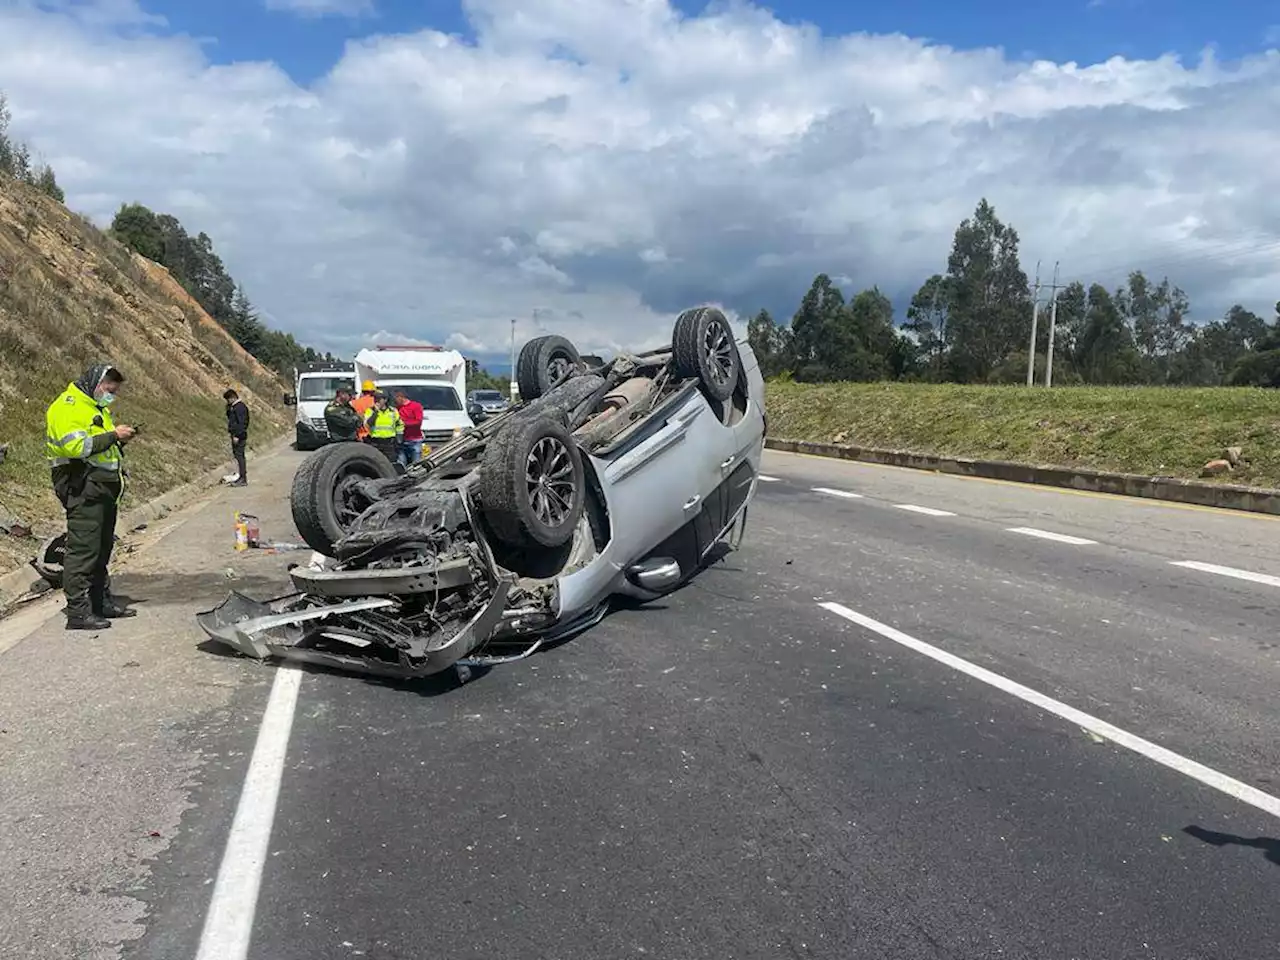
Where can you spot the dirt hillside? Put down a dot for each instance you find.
(70, 296)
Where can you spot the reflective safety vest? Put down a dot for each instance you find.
(71, 423)
(383, 424)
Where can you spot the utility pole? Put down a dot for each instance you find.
(1035, 311)
(514, 386)
(1053, 326)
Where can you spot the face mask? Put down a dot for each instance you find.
(106, 399)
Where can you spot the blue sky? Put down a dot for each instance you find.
(1086, 31)
(438, 191)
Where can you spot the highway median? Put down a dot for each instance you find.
(1152, 442)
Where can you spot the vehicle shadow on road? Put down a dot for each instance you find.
(200, 590)
(1270, 845)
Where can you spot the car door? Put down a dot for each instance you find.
(747, 438)
(659, 481)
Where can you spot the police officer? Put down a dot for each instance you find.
(385, 426)
(84, 448)
(341, 418)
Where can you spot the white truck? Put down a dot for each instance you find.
(314, 385)
(434, 376)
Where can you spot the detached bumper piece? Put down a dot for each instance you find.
(359, 636)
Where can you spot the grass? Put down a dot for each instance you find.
(69, 297)
(1151, 431)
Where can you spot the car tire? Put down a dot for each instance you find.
(544, 363)
(702, 346)
(323, 509)
(525, 452)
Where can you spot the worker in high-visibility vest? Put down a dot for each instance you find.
(386, 429)
(362, 405)
(84, 449)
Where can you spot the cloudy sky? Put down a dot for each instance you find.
(434, 168)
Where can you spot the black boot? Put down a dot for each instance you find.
(87, 621)
(117, 611)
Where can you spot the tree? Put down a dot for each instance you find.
(812, 329)
(1157, 315)
(47, 183)
(137, 227)
(1105, 352)
(927, 318)
(989, 306)
(770, 343)
(860, 338)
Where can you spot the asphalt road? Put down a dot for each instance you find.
(739, 771)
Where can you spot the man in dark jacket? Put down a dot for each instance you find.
(341, 418)
(238, 427)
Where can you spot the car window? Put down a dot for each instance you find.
(431, 397)
(322, 388)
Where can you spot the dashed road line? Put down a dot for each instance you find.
(763, 478)
(927, 511)
(1229, 572)
(1049, 535)
(838, 493)
(228, 926)
(1190, 768)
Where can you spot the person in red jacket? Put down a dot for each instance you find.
(411, 415)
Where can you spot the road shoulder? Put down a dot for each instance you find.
(104, 737)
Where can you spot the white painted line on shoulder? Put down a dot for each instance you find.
(1190, 768)
(837, 493)
(765, 479)
(1048, 535)
(228, 925)
(1230, 572)
(927, 511)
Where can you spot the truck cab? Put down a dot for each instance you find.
(433, 376)
(314, 385)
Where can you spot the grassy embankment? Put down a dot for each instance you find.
(69, 297)
(1150, 431)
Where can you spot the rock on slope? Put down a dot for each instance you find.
(71, 296)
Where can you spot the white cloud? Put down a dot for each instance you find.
(323, 8)
(590, 169)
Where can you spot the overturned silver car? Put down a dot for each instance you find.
(607, 479)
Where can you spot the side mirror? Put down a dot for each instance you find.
(290, 400)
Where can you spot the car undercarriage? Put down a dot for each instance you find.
(463, 559)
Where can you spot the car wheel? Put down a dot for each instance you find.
(544, 363)
(324, 497)
(702, 346)
(532, 483)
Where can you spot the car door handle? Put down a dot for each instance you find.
(692, 502)
(728, 463)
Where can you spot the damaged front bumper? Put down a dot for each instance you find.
(305, 631)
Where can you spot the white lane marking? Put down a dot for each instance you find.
(1047, 535)
(927, 511)
(229, 922)
(1196, 771)
(837, 493)
(1230, 572)
(765, 479)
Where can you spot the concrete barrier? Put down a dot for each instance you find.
(1220, 495)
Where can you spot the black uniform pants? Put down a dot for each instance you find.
(388, 446)
(91, 532)
(238, 445)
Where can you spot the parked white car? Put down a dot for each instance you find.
(616, 479)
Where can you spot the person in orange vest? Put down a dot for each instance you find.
(362, 405)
